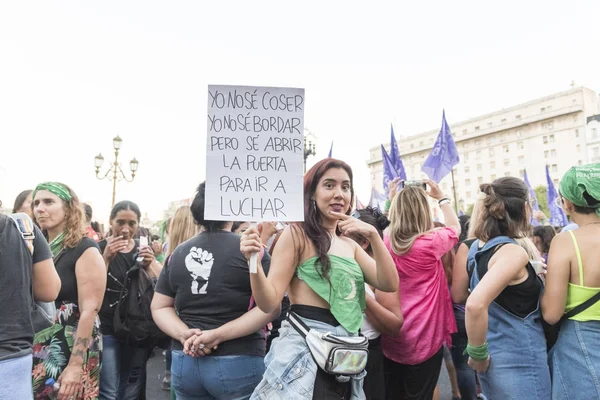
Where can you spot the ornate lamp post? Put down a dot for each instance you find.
(115, 168)
(309, 146)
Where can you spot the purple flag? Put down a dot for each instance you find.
(330, 150)
(557, 215)
(444, 155)
(395, 156)
(389, 172)
(533, 198)
(377, 199)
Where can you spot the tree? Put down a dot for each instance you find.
(470, 209)
(542, 198)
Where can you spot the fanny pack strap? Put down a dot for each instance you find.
(298, 324)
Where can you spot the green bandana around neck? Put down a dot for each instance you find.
(579, 180)
(56, 188)
(56, 245)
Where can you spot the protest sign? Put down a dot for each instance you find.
(255, 154)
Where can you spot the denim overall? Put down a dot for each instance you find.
(517, 346)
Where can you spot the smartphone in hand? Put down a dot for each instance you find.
(420, 184)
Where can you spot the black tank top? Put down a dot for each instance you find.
(520, 299)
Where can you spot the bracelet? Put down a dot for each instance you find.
(443, 201)
(477, 353)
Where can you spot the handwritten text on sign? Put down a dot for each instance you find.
(255, 154)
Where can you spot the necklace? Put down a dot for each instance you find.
(592, 223)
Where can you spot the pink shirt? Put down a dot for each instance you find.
(426, 303)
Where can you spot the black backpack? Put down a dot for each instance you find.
(133, 321)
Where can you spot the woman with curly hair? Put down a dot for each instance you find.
(69, 352)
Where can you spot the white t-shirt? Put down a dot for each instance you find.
(367, 329)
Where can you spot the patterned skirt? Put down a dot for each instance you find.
(52, 349)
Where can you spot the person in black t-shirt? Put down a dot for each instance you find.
(21, 274)
(73, 345)
(124, 365)
(203, 301)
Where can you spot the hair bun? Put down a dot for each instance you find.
(493, 205)
(382, 222)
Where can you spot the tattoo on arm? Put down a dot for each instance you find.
(80, 348)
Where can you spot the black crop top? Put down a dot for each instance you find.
(520, 299)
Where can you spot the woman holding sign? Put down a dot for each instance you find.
(323, 271)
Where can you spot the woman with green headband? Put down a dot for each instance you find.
(572, 279)
(70, 350)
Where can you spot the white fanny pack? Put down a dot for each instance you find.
(336, 355)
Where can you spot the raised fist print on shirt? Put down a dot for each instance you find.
(199, 262)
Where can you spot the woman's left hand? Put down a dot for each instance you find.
(203, 344)
(350, 225)
(480, 366)
(70, 382)
(148, 255)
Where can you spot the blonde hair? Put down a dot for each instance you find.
(183, 227)
(410, 218)
(532, 251)
(475, 215)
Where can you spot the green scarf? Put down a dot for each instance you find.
(56, 188)
(57, 244)
(579, 180)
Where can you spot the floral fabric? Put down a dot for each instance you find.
(52, 349)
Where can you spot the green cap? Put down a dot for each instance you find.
(579, 180)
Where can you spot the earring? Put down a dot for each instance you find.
(314, 204)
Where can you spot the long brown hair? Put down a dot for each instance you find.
(505, 210)
(312, 229)
(410, 218)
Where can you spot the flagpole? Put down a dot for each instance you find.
(454, 191)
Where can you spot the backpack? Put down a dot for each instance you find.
(133, 321)
(42, 313)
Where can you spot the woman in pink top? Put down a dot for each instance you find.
(414, 356)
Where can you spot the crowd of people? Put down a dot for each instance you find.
(347, 304)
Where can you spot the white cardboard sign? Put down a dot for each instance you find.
(255, 154)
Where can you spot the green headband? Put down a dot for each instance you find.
(579, 180)
(56, 188)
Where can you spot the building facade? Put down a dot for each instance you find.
(174, 205)
(559, 130)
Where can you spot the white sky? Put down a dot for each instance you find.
(74, 74)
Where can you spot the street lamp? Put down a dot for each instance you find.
(309, 146)
(115, 168)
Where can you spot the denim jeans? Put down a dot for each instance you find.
(465, 375)
(16, 378)
(291, 369)
(123, 370)
(215, 378)
(575, 360)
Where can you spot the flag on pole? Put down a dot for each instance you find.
(557, 215)
(330, 150)
(377, 199)
(444, 155)
(389, 172)
(395, 156)
(533, 198)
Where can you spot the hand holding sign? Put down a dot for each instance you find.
(250, 243)
(349, 225)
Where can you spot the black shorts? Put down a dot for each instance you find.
(413, 382)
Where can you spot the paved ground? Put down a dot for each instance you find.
(156, 371)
